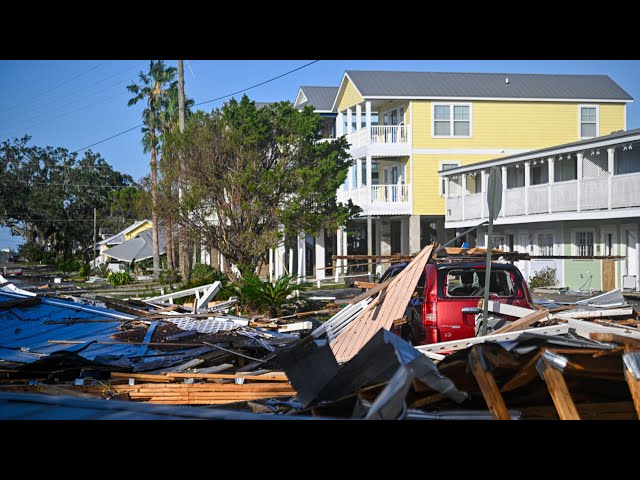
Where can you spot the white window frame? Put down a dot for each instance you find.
(536, 241)
(574, 240)
(580, 107)
(451, 121)
(444, 189)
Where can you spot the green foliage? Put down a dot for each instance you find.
(201, 270)
(545, 277)
(68, 266)
(119, 278)
(32, 252)
(204, 275)
(258, 295)
(264, 174)
(85, 270)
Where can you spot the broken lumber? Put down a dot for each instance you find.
(631, 362)
(612, 337)
(611, 312)
(524, 322)
(370, 292)
(487, 385)
(549, 366)
(506, 309)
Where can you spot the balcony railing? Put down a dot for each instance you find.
(587, 194)
(389, 193)
(380, 135)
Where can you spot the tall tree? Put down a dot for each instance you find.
(153, 88)
(256, 174)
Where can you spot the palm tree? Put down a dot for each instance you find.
(154, 87)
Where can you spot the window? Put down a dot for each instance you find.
(608, 244)
(443, 180)
(584, 243)
(363, 169)
(627, 159)
(474, 183)
(354, 176)
(539, 172)
(545, 244)
(498, 242)
(589, 121)
(515, 176)
(565, 169)
(452, 120)
(470, 283)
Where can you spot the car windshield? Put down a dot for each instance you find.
(470, 283)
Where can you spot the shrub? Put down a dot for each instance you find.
(259, 295)
(545, 277)
(69, 265)
(205, 275)
(85, 270)
(119, 278)
(201, 270)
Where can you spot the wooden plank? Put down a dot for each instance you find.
(487, 385)
(359, 284)
(19, 303)
(506, 309)
(524, 322)
(265, 377)
(608, 275)
(634, 387)
(612, 337)
(148, 377)
(559, 392)
(611, 312)
(369, 293)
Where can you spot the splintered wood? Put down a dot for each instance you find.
(383, 310)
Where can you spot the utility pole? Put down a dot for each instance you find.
(183, 254)
(95, 236)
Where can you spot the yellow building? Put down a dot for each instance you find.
(405, 127)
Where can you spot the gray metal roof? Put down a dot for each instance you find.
(139, 247)
(595, 142)
(486, 85)
(321, 98)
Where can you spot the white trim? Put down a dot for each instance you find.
(546, 153)
(580, 107)
(552, 217)
(300, 100)
(496, 99)
(340, 90)
(443, 194)
(574, 242)
(451, 119)
(324, 111)
(468, 151)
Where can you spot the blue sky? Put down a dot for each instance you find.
(74, 103)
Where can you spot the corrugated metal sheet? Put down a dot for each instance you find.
(24, 335)
(321, 98)
(490, 85)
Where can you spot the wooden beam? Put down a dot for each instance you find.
(612, 337)
(634, 387)
(487, 385)
(524, 322)
(610, 312)
(19, 303)
(370, 292)
(559, 391)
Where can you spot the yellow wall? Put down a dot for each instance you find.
(522, 125)
(136, 231)
(349, 97)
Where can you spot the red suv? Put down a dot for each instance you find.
(448, 293)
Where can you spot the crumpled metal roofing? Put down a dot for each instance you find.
(25, 335)
(138, 248)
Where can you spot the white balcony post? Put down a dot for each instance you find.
(483, 190)
(367, 120)
(340, 125)
(358, 117)
(344, 250)
(578, 180)
(464, 192)
(552, 180)
(271, 265)
(527, 182)
(338, 252)
(320, 255)
(504, 190)
(349, 120)
(369, 186)
(611, 158)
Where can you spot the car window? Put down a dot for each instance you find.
(470, 283)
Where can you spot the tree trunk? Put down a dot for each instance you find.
(154, 207)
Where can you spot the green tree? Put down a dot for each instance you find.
(256, 174)
(154, 89)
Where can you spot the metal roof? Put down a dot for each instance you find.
(119, 237)
(486, 85)
(320, 98)
(139, 247)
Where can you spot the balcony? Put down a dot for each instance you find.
(385, 140)
(380, 199)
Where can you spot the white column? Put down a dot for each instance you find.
(338, 252)
(369, 186)
(369, 244)
(349, 119)
(504, 191)
(339, 125)
(344, 250)
(367, 120)
(552, 179)
(291, 261)
(320, 274)
(483, 189)
(301, 257)
(611, 158)
(271, 265)
(358, 117)
(527, 182)
(414, 234)
(359, 174)
(464, 192)
(579, 180)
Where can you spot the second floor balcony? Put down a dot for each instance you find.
(381, 140)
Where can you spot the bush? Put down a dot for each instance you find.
(68, 266)
(119, 278)
(201, 270)
(545, 277)
(259, 295)
(205, 275)
(85, 270)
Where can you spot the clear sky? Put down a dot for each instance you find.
(75, 103)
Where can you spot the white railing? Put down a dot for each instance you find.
(358, 138)
(390, 134)
(625, 190)
(564, 196)
(514, 202)
(390, 193)
(594, 193)
(473, 206)
(538, 201)
(454, 208)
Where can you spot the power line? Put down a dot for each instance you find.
(49, 184)
(202, 103)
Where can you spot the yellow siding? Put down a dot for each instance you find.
(136, 231)
(349, 97)
(426, 191)
(611, 118)
(514, 125)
